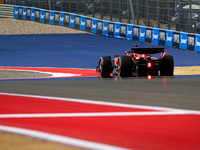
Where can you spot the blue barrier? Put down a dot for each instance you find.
(82, 23)
(183, 40)
(51, 17)
(129, 31)
(105, 28)
(24, 13)
(71, 20)
(93, 25)
(142, 33)
(16, 12)
(197, 43)
(42, 15)
(32, 14)
(155, 36)
(61, 18)
(116, 29)
(169, 38)
(117, 26)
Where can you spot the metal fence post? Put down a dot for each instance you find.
(93, 9)
(147, 1)
(32, 1)
(110, 10)
(132, 11)
(138, 17)
(102, 9)
(128, 9)
(69, 6)
(45, 4)
(49, 4)
(61, 5)
(85, 7)
(158, 13)
(40, 4)
(179, 24)
(120, 11)
(53, 4)
(168, 14)
(190, 19)
(77, 6)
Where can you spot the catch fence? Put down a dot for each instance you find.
(154, 13)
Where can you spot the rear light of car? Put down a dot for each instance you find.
(149, 64)
(149, 77)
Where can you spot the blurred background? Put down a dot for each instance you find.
(167, 14)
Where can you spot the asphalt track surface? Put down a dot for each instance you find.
(174, 92)
(83, 51)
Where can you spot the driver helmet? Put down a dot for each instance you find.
(196, 16)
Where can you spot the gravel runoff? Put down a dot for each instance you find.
(14, 26)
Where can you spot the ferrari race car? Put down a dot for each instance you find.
(137, 62)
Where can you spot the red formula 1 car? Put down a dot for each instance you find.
(137, 62)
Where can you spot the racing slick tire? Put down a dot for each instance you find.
(105, 66)
(167, 66)
(125, 66)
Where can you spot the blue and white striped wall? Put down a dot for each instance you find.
(157, 36)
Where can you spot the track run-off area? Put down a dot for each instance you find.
(69, 107)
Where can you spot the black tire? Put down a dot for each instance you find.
(125, 66)
(167, 66)
(105, 66)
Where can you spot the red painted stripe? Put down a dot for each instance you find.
(134, 132)
(165, 132)
(19, 104)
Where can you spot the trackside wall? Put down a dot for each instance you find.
(157, 36)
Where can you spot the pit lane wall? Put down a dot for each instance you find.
(157, 36)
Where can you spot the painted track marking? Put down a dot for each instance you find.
(60, 139)
(54, 72)
(93, 114)
(134, 123)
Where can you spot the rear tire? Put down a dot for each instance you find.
(125, 66)
(105, 66)
(167, 66)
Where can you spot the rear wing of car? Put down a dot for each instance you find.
(147, 50)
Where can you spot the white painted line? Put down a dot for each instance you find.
(60, 139)
(104, 103)
(53, 74)
(105, 114)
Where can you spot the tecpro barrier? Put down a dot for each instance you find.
(129, 31)
(32, 14)
(61, 18)
(105, 28)
(142, 33)
(169, 38)
(157, 36)
(82, 23)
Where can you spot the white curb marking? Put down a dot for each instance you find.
(60, 139)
